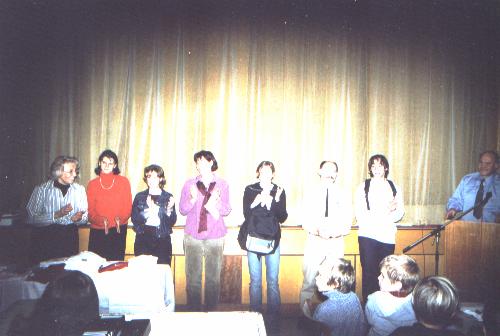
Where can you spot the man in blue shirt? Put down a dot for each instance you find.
(474, 188)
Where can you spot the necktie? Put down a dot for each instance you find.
(478, 211)
(326, 206)
(203, 212)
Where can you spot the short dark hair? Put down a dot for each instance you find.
(383, 161)
(327, 161)
(57, 166)
(435, 301)
(262, 164)
(401, 268)
(207, 155)
(67, 306)
(342, 275)
(490, 152)
(159, 171)
(109, 154)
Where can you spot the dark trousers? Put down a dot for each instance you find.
(150, 244)
(110, 246)
(371, 253)
(53, 241)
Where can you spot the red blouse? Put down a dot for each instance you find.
(109, 196)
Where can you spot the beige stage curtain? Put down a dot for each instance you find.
(294, 94)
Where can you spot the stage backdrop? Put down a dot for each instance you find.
(293, 83)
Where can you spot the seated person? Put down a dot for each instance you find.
(68, 305)
(342, 313)
(390, 307)
(435, 301)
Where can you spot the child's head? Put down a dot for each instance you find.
(335, 274)
(435, 301)
(398, 274)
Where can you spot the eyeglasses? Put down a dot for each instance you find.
(71, 172)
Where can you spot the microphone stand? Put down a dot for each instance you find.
(437, 232)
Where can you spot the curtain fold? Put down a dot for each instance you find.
(159, 86)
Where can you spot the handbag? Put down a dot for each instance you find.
(259, 233)
(259, 245)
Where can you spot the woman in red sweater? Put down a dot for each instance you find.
(110, 204)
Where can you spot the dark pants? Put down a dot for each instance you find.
(149, 243)
(53, 241)
(110, 246)
(371, 253)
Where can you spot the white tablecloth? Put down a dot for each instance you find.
(131, 290)
(213, 323)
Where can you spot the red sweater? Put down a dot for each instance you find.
(109, 196)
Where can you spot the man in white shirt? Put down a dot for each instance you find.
(54, 209)
(327, 220)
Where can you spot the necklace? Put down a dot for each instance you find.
(111, 186)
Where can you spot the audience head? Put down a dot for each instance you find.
(488, 163)
(68, 305)
(64, 169)
(435, 301)
(336, 274)
(205, 162)
(398, 274)
(107, 163)
(381, 160)
(148, 173)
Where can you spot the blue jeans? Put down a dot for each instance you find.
(195, 250)
(272, 273)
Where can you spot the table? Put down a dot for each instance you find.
(131, 290)
(241, 323)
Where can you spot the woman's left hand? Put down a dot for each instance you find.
(278, 194)
(171, 203)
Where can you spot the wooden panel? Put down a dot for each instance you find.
(235, 276)
(290, 279)
(129, 246)
(83, 238)
(471, 258)
(490, 251)
(231, 279)
(180, 280)
(405, 238)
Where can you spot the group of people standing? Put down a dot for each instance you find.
(57, 206)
